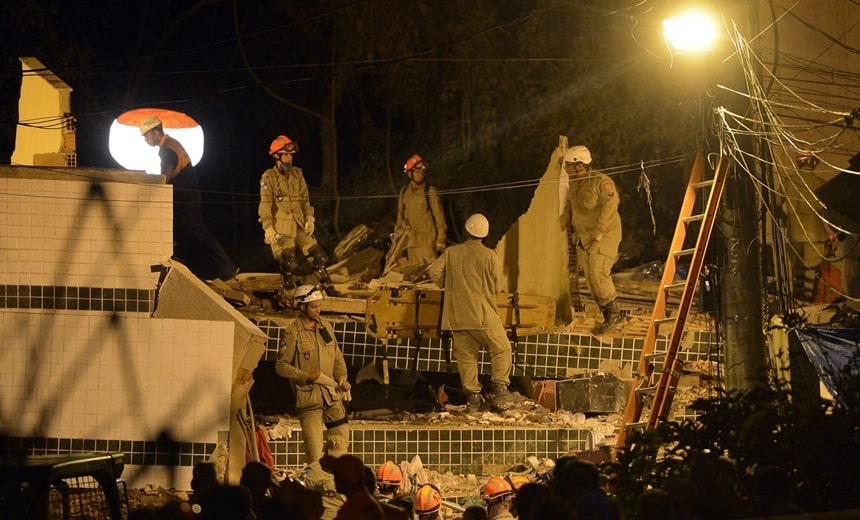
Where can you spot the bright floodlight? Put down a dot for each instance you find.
(130, 150)
(690, 32)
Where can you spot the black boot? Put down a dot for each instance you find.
(474, 402)
(611, 317)
(503, 399)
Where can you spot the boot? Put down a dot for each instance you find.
(474, 402)
(611, 317)
(503, 399)
(325, 280)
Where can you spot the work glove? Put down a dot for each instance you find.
(345, 386)
(309, 225)
(270, 237)
(312, 377)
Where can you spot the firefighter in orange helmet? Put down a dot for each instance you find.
(428, 502)
(420, 214)
(287, 216)
(498, 493)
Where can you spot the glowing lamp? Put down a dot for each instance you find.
(690, 32)
(130, 150)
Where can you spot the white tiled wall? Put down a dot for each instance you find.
(56, 233)
(82, 375)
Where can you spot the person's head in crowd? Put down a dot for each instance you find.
(257, 477)
(203, 478)
(348, 471)
(528, 498)
(476, 512)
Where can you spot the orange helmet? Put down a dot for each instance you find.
(389, 474)
(413, 162)
(283, 143)
(517, 480)
(496, 488)
(428, 499)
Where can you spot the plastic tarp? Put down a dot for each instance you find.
(830, 350)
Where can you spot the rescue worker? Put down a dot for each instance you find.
(470, 273)
(195, 245)
(591, 207)
(287, 216)
(311, 359)
(428, 502)
(498, 494)
(388, 478)
(420, 214)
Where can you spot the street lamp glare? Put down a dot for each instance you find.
(690, 32)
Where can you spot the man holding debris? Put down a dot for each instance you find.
(470, 273)
(311, 359)
(287, 216)
(420, 214)
(195, 244)
(591, 208)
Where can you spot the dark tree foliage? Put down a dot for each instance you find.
(813, 445)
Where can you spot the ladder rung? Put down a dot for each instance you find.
(703, 184)
(674, 286)
(694, 218)
(660, 321)
(636, 425)
(655, 354)
(646, 389)
(684, 252)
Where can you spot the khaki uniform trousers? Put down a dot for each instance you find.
(313, 422)
(466, 348)
(596, 262)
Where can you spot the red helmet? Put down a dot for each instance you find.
(428, 499)
(389, 474)
(496, 488)
(413, 162)
(283, 143)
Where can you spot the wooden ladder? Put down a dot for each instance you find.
(643, 386)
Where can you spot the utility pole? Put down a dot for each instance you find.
(741, 287)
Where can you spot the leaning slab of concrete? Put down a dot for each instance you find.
(181, 295)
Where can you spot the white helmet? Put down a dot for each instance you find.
(307, 294)
(148, 124)
(478, 226)
(577, 154)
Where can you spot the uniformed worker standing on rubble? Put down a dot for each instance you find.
(311, 359)
(470, 273)
(591, 208)
(287, 216)
(420, 214)
(195, 244)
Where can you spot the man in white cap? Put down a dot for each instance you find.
(195, 245)
(470, 273)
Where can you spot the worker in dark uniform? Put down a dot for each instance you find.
(195, 245)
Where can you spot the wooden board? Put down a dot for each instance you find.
(392, 313)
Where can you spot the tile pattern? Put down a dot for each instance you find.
(76, 298)
(549, 356)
